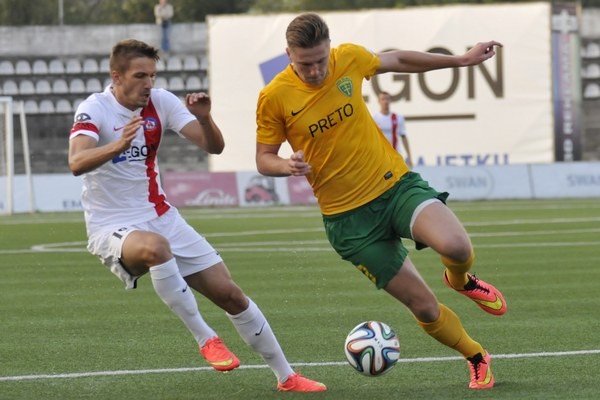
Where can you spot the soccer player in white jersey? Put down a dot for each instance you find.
(134, 230)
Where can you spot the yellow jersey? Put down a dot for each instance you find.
(352, 162)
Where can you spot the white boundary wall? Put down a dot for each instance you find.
(61, 192)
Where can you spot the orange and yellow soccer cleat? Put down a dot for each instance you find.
(487, 297)
(218, 355)
(297, 383)
(481, 373)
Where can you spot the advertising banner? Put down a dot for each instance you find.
(496, 113)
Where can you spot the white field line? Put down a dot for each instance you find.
(301, 245)
(306, 364)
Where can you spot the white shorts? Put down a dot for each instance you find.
(191, 250)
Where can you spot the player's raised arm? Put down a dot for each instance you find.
(204, 132)
(416, 61)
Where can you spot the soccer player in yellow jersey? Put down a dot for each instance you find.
(368, 196)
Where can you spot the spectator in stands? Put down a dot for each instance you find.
(163, 13)
(368, 196)
(134, 230)
(393, 127)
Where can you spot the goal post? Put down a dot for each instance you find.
(8, 109)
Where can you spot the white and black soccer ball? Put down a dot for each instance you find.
(372, 348)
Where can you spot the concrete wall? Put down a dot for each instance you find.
(95, 39)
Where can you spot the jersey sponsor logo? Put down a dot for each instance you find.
(331, 119)
(150, 124)
(294, 113)
(344, 85)
(116, 129)
(82, 117)
(134, 153)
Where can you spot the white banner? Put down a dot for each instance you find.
(61, 192)
(496, 113)
(51, 192)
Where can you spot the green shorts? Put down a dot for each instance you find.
(370, 236)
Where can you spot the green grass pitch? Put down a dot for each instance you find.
(69, 330)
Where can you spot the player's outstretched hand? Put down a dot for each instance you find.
(480, 52)
(198, 103)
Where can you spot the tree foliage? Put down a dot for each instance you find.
(102, 12)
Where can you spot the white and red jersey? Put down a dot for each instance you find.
(393, 127)
(127, 189)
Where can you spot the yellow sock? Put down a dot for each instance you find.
(457, 271)
(448, 330)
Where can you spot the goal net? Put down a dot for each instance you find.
(9, 183)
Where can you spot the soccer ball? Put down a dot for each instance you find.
(372, 348)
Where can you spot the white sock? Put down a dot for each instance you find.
(253, 327)
(175, 293)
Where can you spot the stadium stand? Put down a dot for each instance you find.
(176, 84)
(193, 83)
(76, 86)
(190, 63)
(93, 85)
(90, 66)
(43, 86)
(46, 106)
(22, 67)
(10, 88)
(56, 67)
(161, 82)
(73, 66)
(59, 86)
(174, 63)
(31, 107)
(39, 67)
(63, 106)
(6, 68)
(26, 87)
(592, 91)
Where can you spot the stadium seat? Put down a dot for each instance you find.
(46, 107)
(39, 67)
(73, 66)
(43, 87)
(76, 86)
(592, 71)
(161, 82)
(592, 50)
(56, 66)
(22, 67)
(93, 85)
(90, 66)
(204, 64)
(205, 82)
(104, 65)
(76, 103)
(63, 106)
(160, 65)
(10, 88)
(193, 83)
(176, 83)
(107, 82)
(31, 107)
(592, 91)
(190, 63)
(174, 64)
(26, 87)
(6, 68)
(59, 86)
